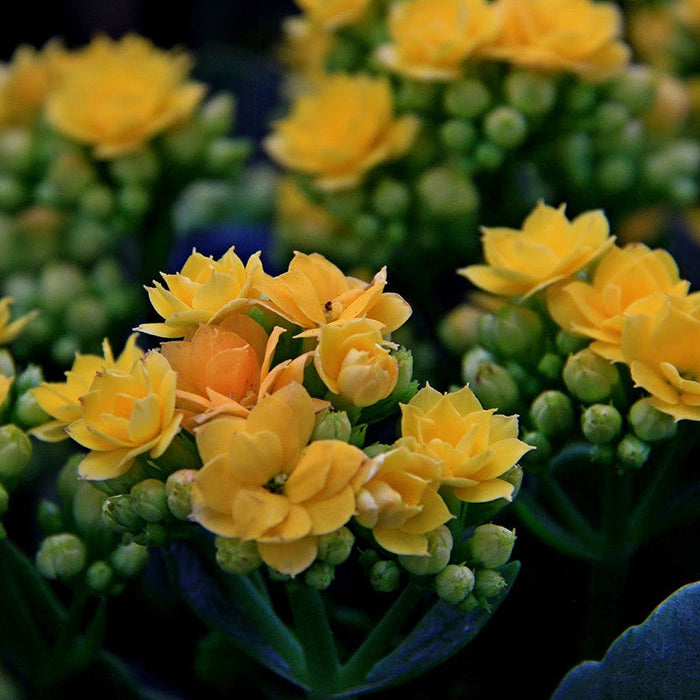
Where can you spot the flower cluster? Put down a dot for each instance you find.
(105, 152)
(263, 416)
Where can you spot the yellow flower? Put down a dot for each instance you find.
(623, 277)
(61, 400)
(9, 330)
(117, 95)
(340, 131)
(227, 368)
(400, 503)
(126, 414)
(476, 446)
(431, 39)
(305, 46)
(688, 12)
(314, 293)
(354, 361)
(204, 291)
(661, 349)
(5, 384)
(548, 249)
(581, 36)
(651, 31)
(262, 482)
(332, 14)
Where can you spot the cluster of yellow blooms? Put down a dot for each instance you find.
(249, 402)
(630, 301)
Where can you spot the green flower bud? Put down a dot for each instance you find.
(467, 98)
(128, 560)
(218, 113)
(366, 227)
(27, 413)
(120, 516)
(16, 146)
(404, 360)
(489, 156)
(530, 93)
(488, 583)
(384, 576)
(567, 343)
(632, 452)
(552, 413)
(601, 423)
(22, 288)
(683, 191)
(68, 480)
(148, 499)
(185, 145)
(437, 558)
(12, 194)
(319, 575)
(4, 500)
(7, 363)
(332, 425)
(368, 558)
(446, 191)
(611, 116)
(604, 455)
(226, 155)
(454, 583)
(152, 535)
(181, 454)
(458, 330)
(576, 153)
(650, 424)
(30, 377)
(529, 383)
(471, 602)
(86, 318)
(133, 200)
(237, 557)
(61, 556)
(550, 365)
(64, 349)
(505, 126)
(415, 95)
(15, 453)
(87, 239)
(70, 174)
(457, 135)
(589, 377)
(344, 204)
(473, 360)
(517, 332)
(97, 201)
(495, 387)
(141, 166)
(87, 510)
(178, 491)
(99, 577)
(122, 484)
(491, 545)
(542, 452)
(635, 88)
(391, 198)
(616, 173)
(335, 547)
(60, 284)
(49, 517)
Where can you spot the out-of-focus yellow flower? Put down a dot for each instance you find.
(125, 414)
(61, 400)
(671, 107)
(400, 503)
(644, 225)
(262, 482)
(332, 14)
(5, 384)
(340, 131)
(9, 330)
(688, 12)
(661, 349)
(304, 49)
(116, 95)
(24, 83)
(227, 368)
(204, 291)
(549, 248)
(623, 277)
(431, 39)
(314, 293)
(581, 36)
(650, 31)
(476, 446)
(354, 361)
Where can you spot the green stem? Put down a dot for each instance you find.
(376, 643)
(316, 637)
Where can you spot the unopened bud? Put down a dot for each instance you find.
(489, 156)
(60, 283)
(530, 93)
(226, 155)
(505, 126)
(391, 198)
(185, 145)
(27, 412)
(552, 413)
(446, 191)
(319, 575)
(16, 149)
(471, 602)
(29, 378)
(7, 363)
(152, 535)
(87, 239)
(332, 425)
(567, 343)
(454, 583)
(404, 361)
(635, 88)
(368, 557)
(489, 583)
(87, 510)
(466, 98)
(15, 453)
(458, 135)
(12, 193)
(491, 545)
(517, 332)
(611, 116)
(99, 577)
(61, 556)
(473, 360)
(119, 515)
(178, 491)
(237, 557)
(149, 501)
(550, 365)
(128, 560)
(335, 547)
(650, 424)
(458, 330)
(601, 423)
(616, 173)
(49, 518)
(495, 387)
(96, 201)
(218, 114)
(137, 167)
(437, 558)
(590, 377)
(632, 452)
(384, 576)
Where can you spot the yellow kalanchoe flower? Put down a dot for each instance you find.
(204, 291)
(598, 309)
(262, 482)
(581, 36)
(476, 445)
(304, 49)
(400, 503)
(341, 130)
(117, 95)
(5, 385)
(661, 349)
(314, 293)
(353, 361)
(126, 414)
(332, 14)
(61, 400)
(548, 249)
(431, 39)
(10, 330)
